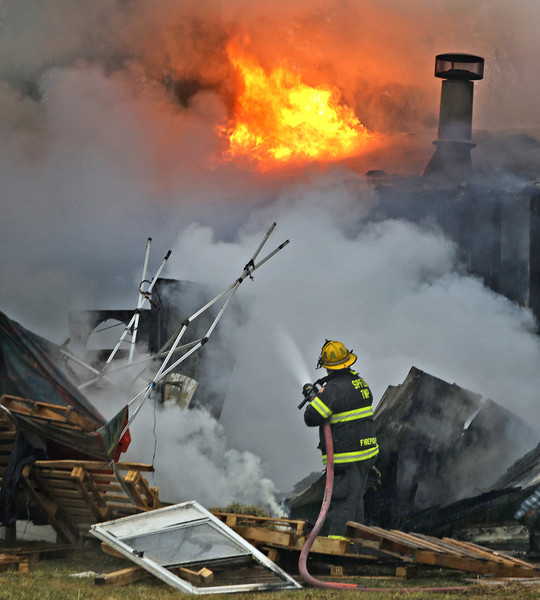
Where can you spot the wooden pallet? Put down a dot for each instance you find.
(75, 494)
(61, 416)
(20, 563)
(445, 552)
(276, 535)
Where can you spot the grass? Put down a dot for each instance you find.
(53, 580)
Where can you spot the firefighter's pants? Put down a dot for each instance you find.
(347, 502)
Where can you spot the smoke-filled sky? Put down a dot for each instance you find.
(109, 117)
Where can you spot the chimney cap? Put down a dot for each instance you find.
(454, 65)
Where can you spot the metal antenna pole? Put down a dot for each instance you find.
(248, 270)
(245, 273)
(263, 242)
(173, 348)
(203, 340)
(140, 301)
(231, 290)
(132, 321)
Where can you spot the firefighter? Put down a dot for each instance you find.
(346, 401)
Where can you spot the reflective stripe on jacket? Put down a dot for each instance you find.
(348, 457)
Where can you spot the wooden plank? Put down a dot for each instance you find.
(381, 539)
(136, 490)
(90, 493)
(296, 524)
(6, 422)
(407, 571)
(483, 554)
(427, 542)
(148, 493)
(258, 535)
(411, 541)
(52, 475)
(231, 521)
(116, 497)
(122, 577)
(400, 544)
(92, 465)
(405, 553)
(325, 545)
(19, 562)
(63, 416)
(492, 554)
(357, 530)
(72, 503)
(49, 506)
(97, 465)
(102, 479)
(9, 559)
(273, 555)
(201, 577)
(471, 565)
(123, 466)
(449, 548)
(66, 492)
(110, 550)
(391, 543)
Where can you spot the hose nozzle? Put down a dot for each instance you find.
(308, 391)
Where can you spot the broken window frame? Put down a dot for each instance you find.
(117, 534)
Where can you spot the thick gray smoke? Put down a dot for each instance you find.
(392, 291)
(108, 117)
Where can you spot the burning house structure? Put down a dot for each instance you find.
(451, 460)
(426, 476)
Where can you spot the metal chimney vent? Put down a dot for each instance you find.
(452, 158)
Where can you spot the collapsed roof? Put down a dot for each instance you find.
(441, 443)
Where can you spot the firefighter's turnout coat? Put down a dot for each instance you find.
(346, 401)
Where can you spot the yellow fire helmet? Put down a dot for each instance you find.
(335, 356)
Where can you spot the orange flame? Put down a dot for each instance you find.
(279, 119)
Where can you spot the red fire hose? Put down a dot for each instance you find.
(302, 563)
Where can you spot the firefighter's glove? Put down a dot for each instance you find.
(308, 391)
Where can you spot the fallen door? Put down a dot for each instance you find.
(185, 536)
